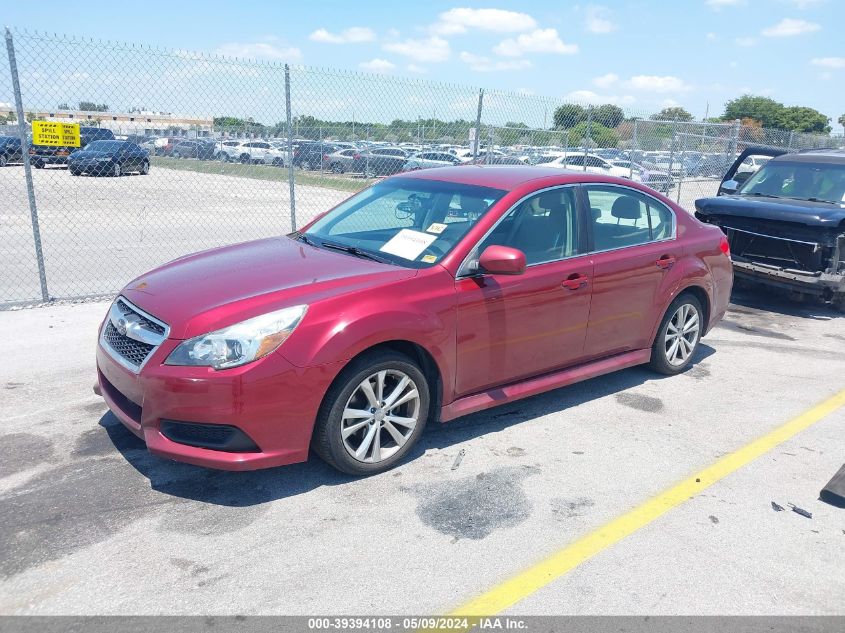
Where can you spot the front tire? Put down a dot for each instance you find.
(116, 170)
(145, 168)
(678, 336)
(373, 414)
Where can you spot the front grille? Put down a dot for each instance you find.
(147, 323)
(130, 335)
(133, 352)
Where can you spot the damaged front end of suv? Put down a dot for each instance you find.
(785, 222)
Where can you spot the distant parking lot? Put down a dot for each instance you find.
(98, 233)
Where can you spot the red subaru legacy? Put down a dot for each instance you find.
(427, 296)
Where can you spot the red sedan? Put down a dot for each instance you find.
(428, 296)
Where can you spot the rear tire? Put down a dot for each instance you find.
(245, 160)
(38, 164)
(356, 419)
(3, 160)
(117, 170)
(145, 168)
(678, 336)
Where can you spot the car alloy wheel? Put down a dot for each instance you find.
(681, 335)
(337, 168)
(116, 170)
(3, 160)
(145, 168)
(380, 416)
(245, 158)
(177, 155)
(306, 165)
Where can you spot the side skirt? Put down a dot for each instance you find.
(547, 382)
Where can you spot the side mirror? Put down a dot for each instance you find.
(501, 260)
(729, 186)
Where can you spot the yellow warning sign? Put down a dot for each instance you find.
(55, 134)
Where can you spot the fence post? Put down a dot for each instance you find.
(589, 134)
(672, 151)
(634, 154)
(791, 137)
(291, 183)
(477, 124)
(489, 144)
(683, 165)
(27, 168)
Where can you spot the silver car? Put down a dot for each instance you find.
(341, 160)
(425, 160)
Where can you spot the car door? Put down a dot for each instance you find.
(633, 244)
(513, 327)
(735, 176)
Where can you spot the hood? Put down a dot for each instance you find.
(779, 209)
(213, 289)
(88, 154)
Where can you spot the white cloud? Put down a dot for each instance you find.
(657, 83)
(5, 104)
(721, 4)
(537, 41)
(805, 4)
(829, 62)
(482, 64)
(670, 103)
(711, 36)
(260, 50)
(599, 20)
(789, 27)
(460, 20)
(377, 65)
(606, 81)
(352, 35)
(745, 41)
(414, 68)
(432, 49)
(590, 97)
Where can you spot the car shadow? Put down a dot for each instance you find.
(772, 301)
(242, 489)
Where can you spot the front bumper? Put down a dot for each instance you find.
(819, 284)
(271, 401)
(90, 166)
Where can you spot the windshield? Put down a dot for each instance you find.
(409, 222)
(800, 181)
(104, 146)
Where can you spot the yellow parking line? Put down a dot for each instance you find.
(525, 583)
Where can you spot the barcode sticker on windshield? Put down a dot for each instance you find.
(408, 244)
(437, 228)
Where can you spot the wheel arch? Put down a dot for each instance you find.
(416, 352)
(696, 290)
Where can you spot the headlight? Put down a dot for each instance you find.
(103, 159)
(238, 344)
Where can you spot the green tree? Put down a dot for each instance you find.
(569, 115)
(804, 119)
(599, 135)
(841, 121)
(608, 115)
(767, 111)
(90, 106)
(672, 114)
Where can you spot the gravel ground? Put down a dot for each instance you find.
(90, 523)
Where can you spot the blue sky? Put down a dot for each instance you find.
(640, 54)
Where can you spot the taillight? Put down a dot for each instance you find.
(325, 157)
(356, 156)
(724, 246)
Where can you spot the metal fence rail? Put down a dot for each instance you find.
(240, 150)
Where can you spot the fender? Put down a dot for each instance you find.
(689, 272)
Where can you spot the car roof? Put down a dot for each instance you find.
(495, 176)
(833, 156)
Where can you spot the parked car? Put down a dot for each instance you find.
(341, 161)
(425, 160)
(428, 296)
(382, 161)
(497, 160)
(785, 222)
(109, 158)
(312, 154)
(259, 152)
(42, 155)
(590, 163)
(10, 150)
(193, 148)
(164, 146)
(647, 173)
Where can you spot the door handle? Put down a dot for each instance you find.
(576, 281)
(665, 262)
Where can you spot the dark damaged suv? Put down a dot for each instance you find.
(786, 221)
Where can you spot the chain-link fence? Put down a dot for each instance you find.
(235, 150)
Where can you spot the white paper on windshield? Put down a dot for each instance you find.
(408, 244)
